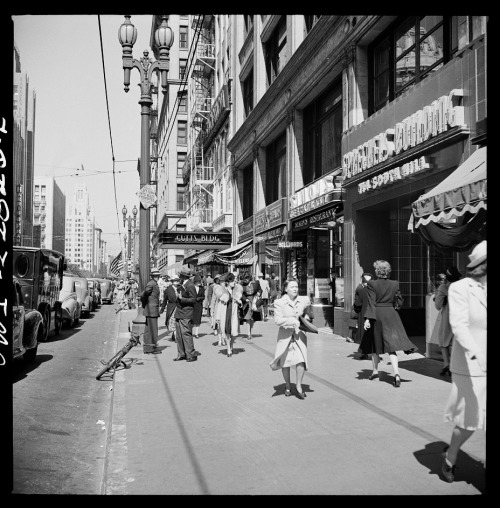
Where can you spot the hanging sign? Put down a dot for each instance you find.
(147, 196)
(290, 245)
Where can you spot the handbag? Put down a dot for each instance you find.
(354, 314)
(306, 325)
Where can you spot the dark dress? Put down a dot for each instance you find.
(364, 337)
(389, 334)
(198, 306)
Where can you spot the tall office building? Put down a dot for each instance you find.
(24, 148)
(49, 213)
(80, 224)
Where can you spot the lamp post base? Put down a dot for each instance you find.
(139, 322)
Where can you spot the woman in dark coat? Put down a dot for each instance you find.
(251, 309)
(360, 305)
(198, 306)
(389, 334)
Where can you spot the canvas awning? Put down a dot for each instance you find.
(235, 255)
(453, 214)
(462, 191)
(206, 257)
(235, 249)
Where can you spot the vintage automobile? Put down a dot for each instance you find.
(83, 295)
(27, 326)
(40, 273)
(107, 288)
(71, 307)
(95, 293)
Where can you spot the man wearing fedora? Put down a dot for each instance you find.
(170, 302)
(151, 304)
(184, 317)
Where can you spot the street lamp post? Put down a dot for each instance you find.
(164, 37)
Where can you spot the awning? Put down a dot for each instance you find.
(238, 254)
(462, 191)
(206, 257)
(453, 214)
(175, 266)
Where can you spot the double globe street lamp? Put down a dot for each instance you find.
(164, 37)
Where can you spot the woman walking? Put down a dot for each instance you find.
(466, 406)
(227, 314)
(389, 334)
(291, 348)
(443, 327)
(251, 310)
(198, 306)
(214, 298)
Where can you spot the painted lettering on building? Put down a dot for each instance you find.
(393, 175)
(5, 349)
(443, 114)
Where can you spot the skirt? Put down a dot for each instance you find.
(466, 406)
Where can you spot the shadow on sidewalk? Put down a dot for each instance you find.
(280, 389)
(467, 469)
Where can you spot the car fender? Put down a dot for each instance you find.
(32, 322)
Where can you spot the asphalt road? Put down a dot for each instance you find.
(59, 444)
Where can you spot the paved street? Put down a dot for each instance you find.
(223, 425)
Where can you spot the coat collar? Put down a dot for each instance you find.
(288, 301)
(477, 290)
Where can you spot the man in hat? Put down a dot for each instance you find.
(170, 302)
(186, 298)
(151, 304)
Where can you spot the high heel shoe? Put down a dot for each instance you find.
(373, 376)
(287, 392)
(229, 355)
(397, 381)
(301, 395)
(445, 371)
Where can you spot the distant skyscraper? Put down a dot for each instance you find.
(24, 148)
(50, 213)
(80, 224)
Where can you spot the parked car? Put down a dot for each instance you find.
(95, 293)
(71, 307)
(27, 326)
(83, 295)
(107, 288)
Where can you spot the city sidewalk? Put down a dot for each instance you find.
(223, 425)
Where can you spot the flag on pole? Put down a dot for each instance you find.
(116, 265)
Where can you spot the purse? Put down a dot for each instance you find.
(305, 324)
(354, 314)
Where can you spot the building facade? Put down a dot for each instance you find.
(80, 225)
(23, 153)
(49, 212)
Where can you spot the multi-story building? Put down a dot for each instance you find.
(49, 212)
(23, 154)
(99, 263)
(341, 123)
(80, 224)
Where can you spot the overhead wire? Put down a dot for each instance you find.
(109, 123)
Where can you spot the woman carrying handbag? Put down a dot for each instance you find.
(291, 348)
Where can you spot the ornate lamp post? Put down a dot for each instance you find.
(129, 220)
(164, 37)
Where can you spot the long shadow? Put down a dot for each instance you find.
(235, 350)
(467, 469)
(280, 389)
(21, 369)
(64, 334)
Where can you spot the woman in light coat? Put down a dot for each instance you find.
(291, 348)
(226, 314)
(214, 299)
(466, 406)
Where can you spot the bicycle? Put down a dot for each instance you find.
(118, 358)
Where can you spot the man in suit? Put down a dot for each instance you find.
(186, 298)
(170, 302)
(151, 304)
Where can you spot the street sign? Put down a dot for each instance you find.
(147, 196)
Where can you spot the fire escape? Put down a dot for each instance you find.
(198, 170)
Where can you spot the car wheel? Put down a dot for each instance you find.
(45, 324)
(58, 322)
(30, 354)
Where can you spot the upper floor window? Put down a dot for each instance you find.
(181, 197)
(181, 132)
(248, 93)
(276, 51)
(276, 170)
(247, 198)
(323, 134)
(182, 68)
(183, 37)
(248, 20)
(311, 20)
(181, 159)
(414, 48)
(183, 104)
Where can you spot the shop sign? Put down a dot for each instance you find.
(270, 216)
(290, 245)
(306, 222)
(245, 229)
(393, 175)
(443, 114)
(311, 195)
(193, 240)
(271, 234)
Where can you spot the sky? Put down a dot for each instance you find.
(61, 55)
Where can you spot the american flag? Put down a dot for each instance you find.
(116, 265)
